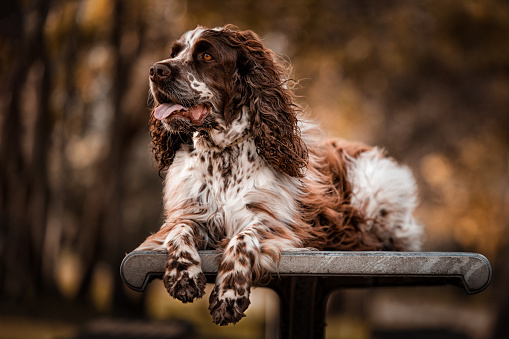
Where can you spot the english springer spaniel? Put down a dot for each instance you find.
(248, 176)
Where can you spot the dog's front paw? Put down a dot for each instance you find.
(184, 282)
(229, 307)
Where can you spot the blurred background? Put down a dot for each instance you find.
(428, 80)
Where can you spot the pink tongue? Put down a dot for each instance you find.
(196, 113)
(164, 110)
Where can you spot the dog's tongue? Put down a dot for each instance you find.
(196, 113)
(164, 110)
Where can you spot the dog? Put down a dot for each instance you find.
(247, 174)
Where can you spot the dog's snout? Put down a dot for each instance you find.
(159, 71)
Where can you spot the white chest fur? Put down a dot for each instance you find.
(216, 189)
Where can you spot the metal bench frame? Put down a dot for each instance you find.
(305, 279)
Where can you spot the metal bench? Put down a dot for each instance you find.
(305, 279)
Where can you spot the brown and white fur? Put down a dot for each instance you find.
(248, 176)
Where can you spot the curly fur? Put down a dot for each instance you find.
(247, 175)
(261, 81)
(164, 144)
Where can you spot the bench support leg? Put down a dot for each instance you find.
(303, 306)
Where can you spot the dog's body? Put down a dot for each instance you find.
(246, 175)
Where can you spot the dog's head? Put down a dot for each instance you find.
(219, 85)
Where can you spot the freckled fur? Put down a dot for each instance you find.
(255, 178)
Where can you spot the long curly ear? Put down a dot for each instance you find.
(277, 138)
(164, 144)
(274, 120)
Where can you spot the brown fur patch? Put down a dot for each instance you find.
(336, 224)
(226, 266)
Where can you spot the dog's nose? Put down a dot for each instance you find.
(159, 71)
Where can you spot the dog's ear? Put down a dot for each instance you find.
(277, 138)
(164, 144)
(261, 80)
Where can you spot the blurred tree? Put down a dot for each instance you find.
(102, 239)
(23, 177)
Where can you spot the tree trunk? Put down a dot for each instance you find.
(23, 181)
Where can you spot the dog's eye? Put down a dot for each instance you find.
(206, 57)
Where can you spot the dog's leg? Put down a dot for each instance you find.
(183, 277)
(230, 297)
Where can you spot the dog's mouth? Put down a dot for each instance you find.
(196, 114)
